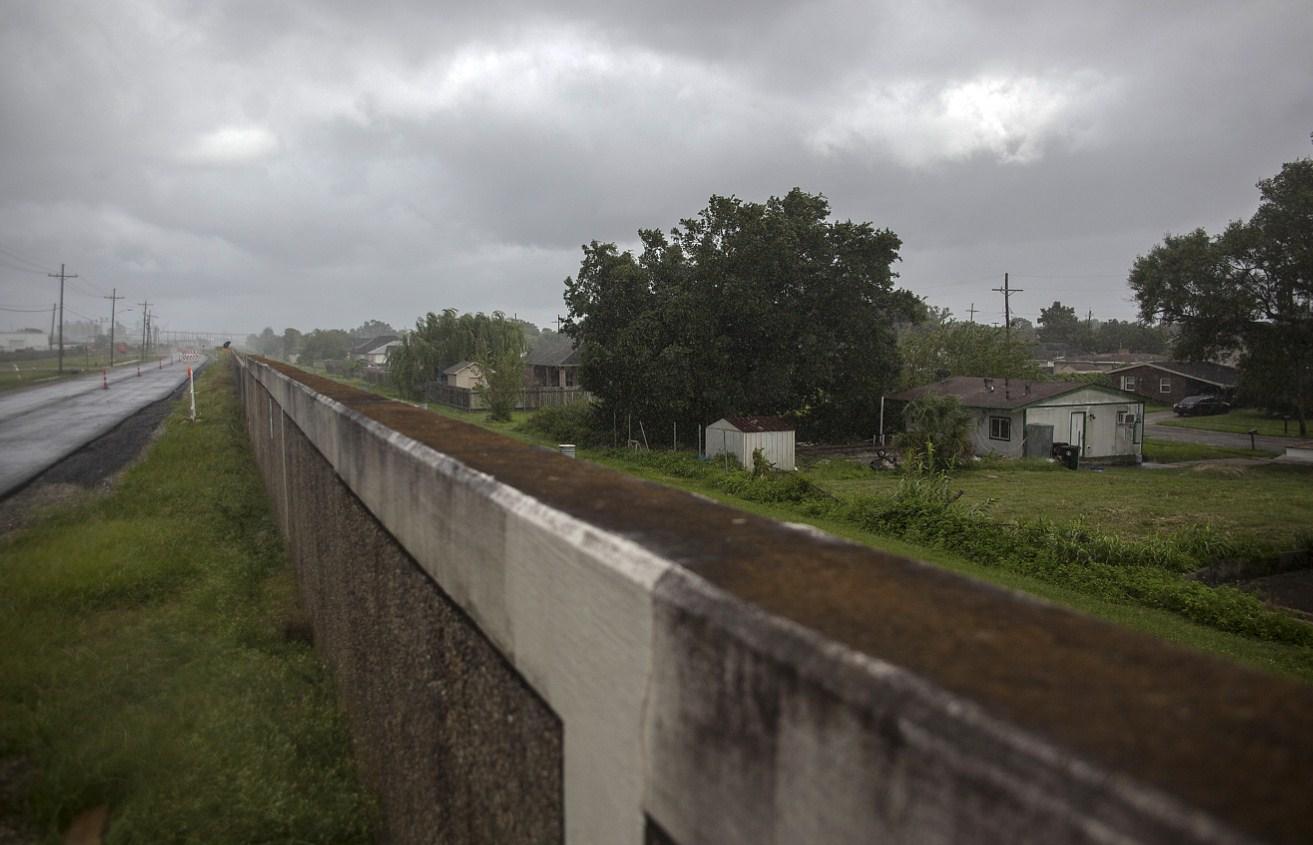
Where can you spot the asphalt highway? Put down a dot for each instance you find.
(40, 426)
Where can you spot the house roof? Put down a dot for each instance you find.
(976, 392)
(1216, 374)
(367, 346)
(457, 367)
(553, 351)
(756, 424)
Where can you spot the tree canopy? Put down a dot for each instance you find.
(764, 308)
(939, 348)
(1250, 287)
(440, 340)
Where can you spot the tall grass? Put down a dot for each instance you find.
(146, 665)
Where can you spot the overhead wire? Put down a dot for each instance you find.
(37, 265)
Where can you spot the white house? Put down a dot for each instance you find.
(466, 374)
(741, 436)
(374, 351)
(1017, 418)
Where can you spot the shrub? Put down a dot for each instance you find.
(937, 429)
(574, 423)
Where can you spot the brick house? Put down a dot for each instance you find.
(1169, 382)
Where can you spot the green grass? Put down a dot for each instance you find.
(15, 373)
(1239, 421)
(1268, 504)
(1171, 452)
(1279, 657)
(146, 662)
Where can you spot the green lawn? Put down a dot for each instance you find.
(154, 659)
(1269, 504)
(1170, 452)
(16, 373)
(1239, 421)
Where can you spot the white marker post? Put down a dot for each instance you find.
(192, 385)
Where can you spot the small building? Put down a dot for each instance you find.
(374, 351)
(553, 362)
(1016, 418)
(1171, 381)
(24, 339)
(466, 374)
(741, 436)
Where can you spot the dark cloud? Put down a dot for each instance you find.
(319, 163)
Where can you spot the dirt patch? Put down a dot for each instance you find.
(93, 469)
(1292, 590)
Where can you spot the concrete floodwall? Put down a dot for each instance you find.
(533, 649)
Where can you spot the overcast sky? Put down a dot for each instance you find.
(254, 163)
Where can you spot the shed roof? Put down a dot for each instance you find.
(372, 344)
(976, 392)
(457, 367)
(1216, 374)
(756, 424)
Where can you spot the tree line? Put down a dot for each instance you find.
(1247, 288)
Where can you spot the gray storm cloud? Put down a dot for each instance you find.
(247, 164)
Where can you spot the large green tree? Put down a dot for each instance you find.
(752, 308)
(1250, 287)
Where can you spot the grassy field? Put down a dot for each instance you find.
(1170, 452)
(1239, 421)
(154, 660)
(16, 373)
(1269, 504)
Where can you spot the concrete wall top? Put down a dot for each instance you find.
(1205, 749)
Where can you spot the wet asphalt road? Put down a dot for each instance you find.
(40, 426)
(1153, 428)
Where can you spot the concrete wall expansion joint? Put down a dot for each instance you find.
(666, 669)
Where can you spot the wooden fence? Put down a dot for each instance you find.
(530, 398)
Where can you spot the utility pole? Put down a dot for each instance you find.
(1007, 306)
(145, 327)
(61, 275)
(113, 301)
(972, 312)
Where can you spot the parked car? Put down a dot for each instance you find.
(1206, 403)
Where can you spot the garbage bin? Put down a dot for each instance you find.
(1068, 454)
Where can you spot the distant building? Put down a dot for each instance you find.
(1171, 381)
(741, 436)
(24, 339)
(553, 362)
(374, 351)
(465, 374)
(1016, 418)
(1097, 363)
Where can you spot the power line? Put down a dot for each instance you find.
(36, 264)
(23, 310)
(62, 276)
(1007, 305)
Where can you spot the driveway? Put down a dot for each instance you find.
(1153, 428)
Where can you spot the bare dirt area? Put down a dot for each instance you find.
(88, 471)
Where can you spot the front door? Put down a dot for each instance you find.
(1078, 430)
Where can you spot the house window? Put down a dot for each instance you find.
(1125, 417)
(1164, 385)
(1128, 382)
(1000, 428)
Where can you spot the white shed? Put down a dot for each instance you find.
(741, 436)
